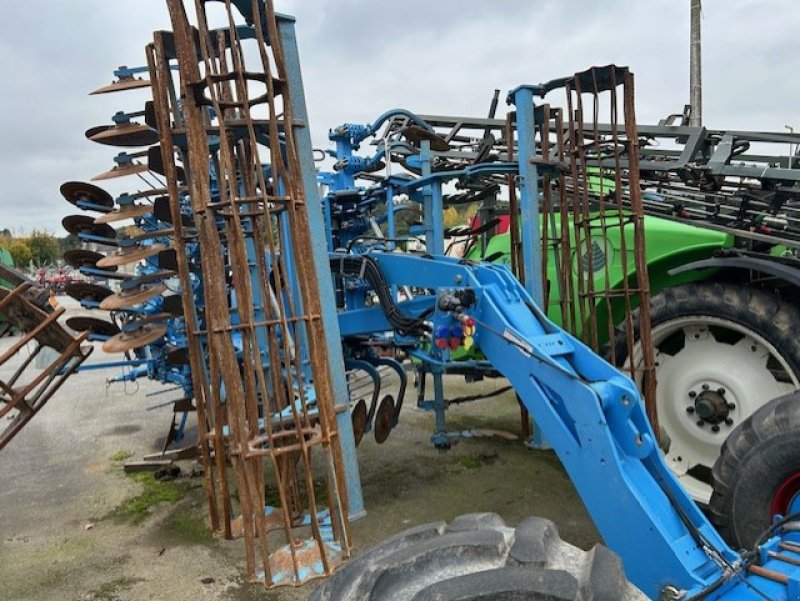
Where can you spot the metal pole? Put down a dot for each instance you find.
(695, 67)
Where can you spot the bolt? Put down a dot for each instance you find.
(706, 387)
(721, 391)
(728, 421)
(715, 428)
(690, 409)
(692, 394)
(701, 423)
(731, 406)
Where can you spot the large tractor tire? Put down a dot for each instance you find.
(757, 476)
(477, 558)
(721, 352)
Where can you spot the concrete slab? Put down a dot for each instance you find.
(62, 535)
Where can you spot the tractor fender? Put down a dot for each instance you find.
(773, 267)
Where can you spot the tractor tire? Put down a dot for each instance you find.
(758, 473)
(475, 558)
(722, 351)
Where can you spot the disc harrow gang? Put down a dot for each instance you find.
(29, 377)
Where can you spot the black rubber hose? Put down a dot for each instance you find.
(365, 267)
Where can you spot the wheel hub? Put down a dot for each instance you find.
(711, 406)
(706, 387)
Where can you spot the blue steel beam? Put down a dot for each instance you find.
(319, 252)
(593, 416)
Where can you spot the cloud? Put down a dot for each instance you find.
(362, 57)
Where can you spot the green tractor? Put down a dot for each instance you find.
(724, 343)
(6, 259)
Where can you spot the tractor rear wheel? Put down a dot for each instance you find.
(477, 558)
(757, 475)
(722, 351)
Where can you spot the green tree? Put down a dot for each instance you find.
(20, 252)
(70, 242)
(43, 246)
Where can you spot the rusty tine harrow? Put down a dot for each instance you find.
(261, 374)
(29, 379)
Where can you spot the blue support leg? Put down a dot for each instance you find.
(319, 252)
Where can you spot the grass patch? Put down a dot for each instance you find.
(121, 456)
(109, 590)
(182, 528)
(153, 492)
(473, 462)
(470, 462)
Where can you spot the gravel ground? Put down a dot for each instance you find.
(68, 531)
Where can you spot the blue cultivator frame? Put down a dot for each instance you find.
(590, 413)
(427, 305)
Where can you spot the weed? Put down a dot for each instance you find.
(153, 492)
(120, 456)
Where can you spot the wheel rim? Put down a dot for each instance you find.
(711, 374)
(787, 497)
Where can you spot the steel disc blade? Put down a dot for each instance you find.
(168, 259)
(148, 278)
(155, 162)
(97, 129)
(130, 254)
(178, 356)
(131, 298)
(83, 224)
(150, 114)
(148, 193)
(173, 305)
(92, 324)
(126, 341)
(383, 419)
(126, 212)
(121, 171)
(79, 257)
(126, 135)
(123, 83)
(162, 212)
(86, 291)
(359, 418)
(74, 192)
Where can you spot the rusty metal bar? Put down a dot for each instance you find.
(769, 574)
(28, 389)
(600, 196)
(267, 395)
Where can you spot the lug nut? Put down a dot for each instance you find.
(701, 423)
(721, 391)
(692, 394)
(715, 428)
(706, 387)
(728, 421)
(731, 406)
(690, 409)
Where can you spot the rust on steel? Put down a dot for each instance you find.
(587, 197)
(259, 363)
(584, 178)
(29, 386)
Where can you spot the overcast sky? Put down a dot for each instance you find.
(361, 57)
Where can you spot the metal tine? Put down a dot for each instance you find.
(222, 353)
(210, 433)
(240, 173)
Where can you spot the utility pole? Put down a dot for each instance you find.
(695, 67)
